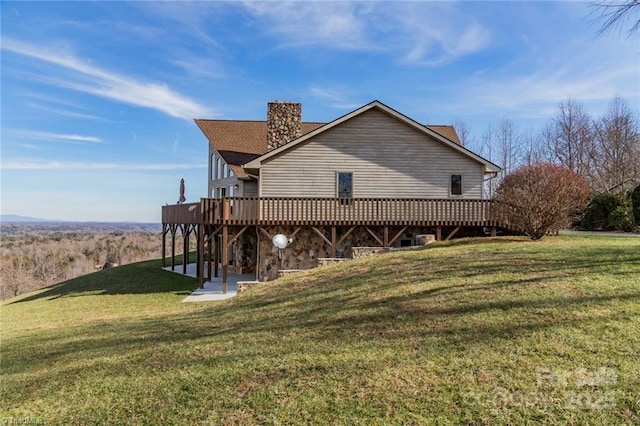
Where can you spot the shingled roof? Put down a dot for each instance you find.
(240, 141)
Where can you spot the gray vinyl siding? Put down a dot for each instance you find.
(215, 183)
(249, 188)
(388, 159)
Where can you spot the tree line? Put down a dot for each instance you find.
(35, 256)
(602, 152)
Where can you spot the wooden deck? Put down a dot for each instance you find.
(333, 211)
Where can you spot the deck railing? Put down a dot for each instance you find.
(333, 211)
(182, 213)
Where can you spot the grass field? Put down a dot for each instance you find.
(490, 331)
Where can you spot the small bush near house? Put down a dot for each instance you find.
(541, 197)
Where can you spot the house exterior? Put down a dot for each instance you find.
(373, 177)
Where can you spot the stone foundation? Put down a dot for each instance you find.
(308, 248)
(243, 253)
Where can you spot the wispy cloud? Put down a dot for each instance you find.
(57, 137)
(72, 165)
(64, 112)
(335, 97)
(412, 32)
(536, 94)
(340, 25)
(110, 85)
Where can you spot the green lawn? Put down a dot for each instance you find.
(489, 331)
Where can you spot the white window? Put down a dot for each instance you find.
(219, 168)
(212, 167)
(225, 172)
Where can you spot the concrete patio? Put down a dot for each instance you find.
(212, 291)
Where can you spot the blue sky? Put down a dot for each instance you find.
(98, 98)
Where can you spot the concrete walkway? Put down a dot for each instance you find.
(212, 290)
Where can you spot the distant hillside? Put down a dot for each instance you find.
(18, 218)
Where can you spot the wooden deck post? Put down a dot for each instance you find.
(216, 257)
(185, 248)
(385, 236)
(333, 241)
(173, 247)
(494, 231)
(225, 257)
(201, 237)
(164, 244)
(226, 209)
(209, 238)
(438, 233)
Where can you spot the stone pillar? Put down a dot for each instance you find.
(283, 123)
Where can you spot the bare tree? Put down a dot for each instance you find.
(615, 154)
(464, 134)
(501, 144)
(508, 138)
(531, 143)
(615, 14)
(568, 137)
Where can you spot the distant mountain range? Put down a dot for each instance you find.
(14, 218)
(18, 218)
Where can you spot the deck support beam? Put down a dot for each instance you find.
(345, 235)
(317, 231)
(454, 232)
(236, 236)
(373, 234)
(173, 247)
(225, 257)
(185, 247)
(164, 244)
(201, 256)
(208, 239)
(333, 241)
(438, 233)
(393, 240)
(264, 231)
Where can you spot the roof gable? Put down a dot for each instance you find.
(427, 130)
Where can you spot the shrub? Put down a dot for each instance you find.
(541, 197)
(621, 219)
(596, 215)
(635, 201)
(607, 212)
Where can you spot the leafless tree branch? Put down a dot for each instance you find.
(615, 14)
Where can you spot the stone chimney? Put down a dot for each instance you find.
(283, 123)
